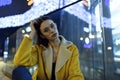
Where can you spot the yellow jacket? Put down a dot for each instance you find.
(67, 64)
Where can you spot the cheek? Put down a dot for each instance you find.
(56, 30)
(43, 35)
(46, 35)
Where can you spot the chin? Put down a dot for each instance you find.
(54, 38)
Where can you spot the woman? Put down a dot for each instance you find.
(57, 58)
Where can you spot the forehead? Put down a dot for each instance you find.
(46, 23)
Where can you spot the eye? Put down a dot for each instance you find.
(52, 25)
(46, 29)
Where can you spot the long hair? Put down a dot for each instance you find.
(37, 26)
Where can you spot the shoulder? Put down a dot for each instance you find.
(66, 43)
(72, 47)
(38, 48)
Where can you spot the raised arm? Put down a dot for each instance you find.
(26, 55)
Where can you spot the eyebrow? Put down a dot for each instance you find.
(48, 26)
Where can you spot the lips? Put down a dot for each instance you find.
(54, 34)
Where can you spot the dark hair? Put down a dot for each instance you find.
(37, 25)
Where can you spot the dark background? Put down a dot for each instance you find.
(16, 7)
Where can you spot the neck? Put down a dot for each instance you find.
(55, 43)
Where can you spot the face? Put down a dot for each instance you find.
(49, 30)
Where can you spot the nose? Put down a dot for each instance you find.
(52, 30)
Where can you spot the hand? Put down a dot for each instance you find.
(32, 26)
(33, 31)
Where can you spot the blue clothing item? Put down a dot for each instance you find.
(21, 73)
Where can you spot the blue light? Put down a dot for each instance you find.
(34, 12)
(87, 45)
(47, 6)
(5, 2)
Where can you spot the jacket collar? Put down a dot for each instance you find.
(62, 57)
(64, 42)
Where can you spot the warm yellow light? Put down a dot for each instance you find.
(30, 2)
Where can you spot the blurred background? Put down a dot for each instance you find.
(93, 25)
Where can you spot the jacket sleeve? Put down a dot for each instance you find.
(26, 55)
(75, 72)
